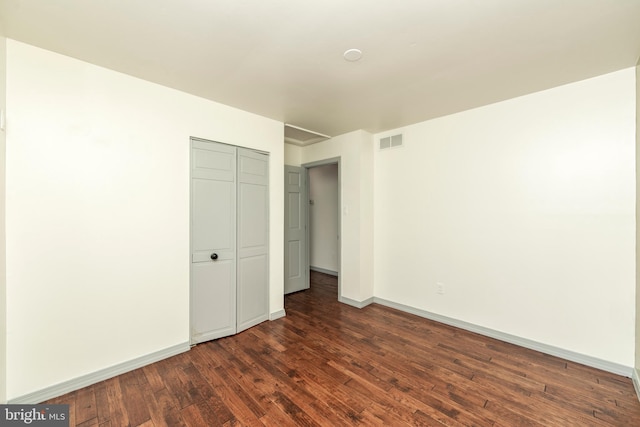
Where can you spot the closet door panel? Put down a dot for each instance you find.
(213, 241)
(253, 239)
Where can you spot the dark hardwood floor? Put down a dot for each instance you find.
(330, 364)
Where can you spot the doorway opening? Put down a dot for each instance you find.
(323, 214)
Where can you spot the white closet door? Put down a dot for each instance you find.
(213, 240)
(253, 239)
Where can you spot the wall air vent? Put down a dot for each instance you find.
(394, 141)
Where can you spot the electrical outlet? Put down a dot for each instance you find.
(440, 288)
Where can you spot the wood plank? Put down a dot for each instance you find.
(85, 407)
(102, 402)
(117, 410)
(131, 385)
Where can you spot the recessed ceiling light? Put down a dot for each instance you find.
(352, 55)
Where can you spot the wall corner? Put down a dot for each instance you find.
(636, 380)
(3, 240)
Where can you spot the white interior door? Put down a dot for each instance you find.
(296, 261)
(253, 238)
(213, 240)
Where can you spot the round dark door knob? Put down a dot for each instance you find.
(214, 256)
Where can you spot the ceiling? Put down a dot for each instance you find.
(283, 58)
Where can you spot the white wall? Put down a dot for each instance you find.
(3, 237)
(98, 214)
(356, 191)
(323, 217)
(524, 210)
(637, 308)
(292, 155)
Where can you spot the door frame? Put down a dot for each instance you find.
(305, 170)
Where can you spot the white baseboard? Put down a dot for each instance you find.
(594, 362)
(324, 270)
(277, 314)
(101, 375)
(636, 382)
(354, 303)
